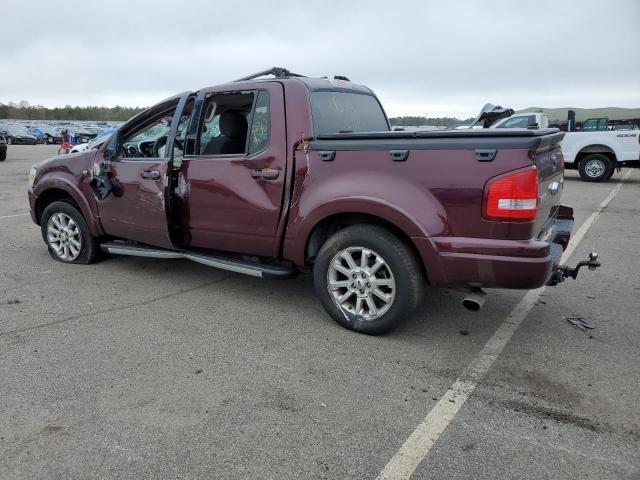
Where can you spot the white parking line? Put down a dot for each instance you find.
(13, 216)
(417, 446)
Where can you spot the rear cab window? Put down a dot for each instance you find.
(346, 112)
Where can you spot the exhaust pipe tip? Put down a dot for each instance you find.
(474, 300)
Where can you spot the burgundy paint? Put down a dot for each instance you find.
(136, 209)
(435, 197)
(66, 173)
(223, 207)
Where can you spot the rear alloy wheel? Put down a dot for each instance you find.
(368, 279)
(595, 168)
(67, 235)
(361, 282)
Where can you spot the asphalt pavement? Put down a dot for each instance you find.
(165, 369)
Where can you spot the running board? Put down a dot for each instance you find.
(246, 267)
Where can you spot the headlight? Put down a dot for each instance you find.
(32, 176)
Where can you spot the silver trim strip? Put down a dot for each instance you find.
(211, 262)
(223, 265)
(134, 252)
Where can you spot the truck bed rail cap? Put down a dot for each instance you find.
(470, 133)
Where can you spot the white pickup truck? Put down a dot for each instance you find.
(596, 154)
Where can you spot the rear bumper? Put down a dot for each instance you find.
(456, 262)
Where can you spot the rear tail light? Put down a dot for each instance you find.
(513, 196)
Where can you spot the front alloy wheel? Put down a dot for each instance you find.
(64, 236)
(361, 282)
(67, 235)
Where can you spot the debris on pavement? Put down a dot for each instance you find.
(580, 322)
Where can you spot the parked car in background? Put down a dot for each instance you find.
(3, 148)
(596, 150)
(17, 135)
(38, 133)
(81, 147)
(523, 120)
(597, 154)
(51, 135)
(270, 177)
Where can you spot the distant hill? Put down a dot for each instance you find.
(560, 114)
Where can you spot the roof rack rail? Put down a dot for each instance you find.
(277, 72)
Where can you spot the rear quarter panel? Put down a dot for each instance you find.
(434, 193)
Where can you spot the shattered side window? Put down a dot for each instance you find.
(259, 135)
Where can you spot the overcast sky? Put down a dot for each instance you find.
(425, 57)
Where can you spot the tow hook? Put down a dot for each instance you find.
(561, 272)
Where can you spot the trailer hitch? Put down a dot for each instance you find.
(560, 272)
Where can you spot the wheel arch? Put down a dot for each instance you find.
(328, 225)
(605, 150)
(61, 190)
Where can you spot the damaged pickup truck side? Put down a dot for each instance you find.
(274, 176)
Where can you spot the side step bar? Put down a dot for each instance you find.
(247, 267)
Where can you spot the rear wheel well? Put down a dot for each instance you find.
(48, 197)
(330, 225)
(601, 149)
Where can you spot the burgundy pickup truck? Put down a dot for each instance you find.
(274, 176)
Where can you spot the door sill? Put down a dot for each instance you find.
(224, 262)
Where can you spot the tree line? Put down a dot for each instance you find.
(24, 111)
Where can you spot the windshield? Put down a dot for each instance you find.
(346, 112)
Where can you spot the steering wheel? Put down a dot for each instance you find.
(160, 142)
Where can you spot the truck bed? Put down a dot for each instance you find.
(443, 172)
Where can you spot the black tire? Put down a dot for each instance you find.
(595, 168)
(3, 156)
(404, 267)
(613, 170)
(89, 251)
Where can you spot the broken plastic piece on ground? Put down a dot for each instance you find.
(580, 322)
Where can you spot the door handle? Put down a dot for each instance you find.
(150, 174)
(266, 173)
